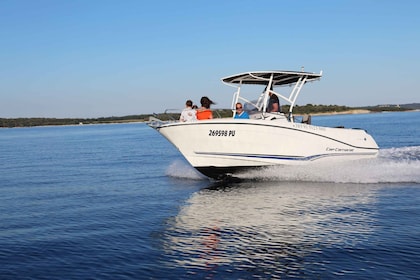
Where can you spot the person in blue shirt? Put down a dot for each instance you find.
(240, 113)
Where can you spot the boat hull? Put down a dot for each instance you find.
(226, 146)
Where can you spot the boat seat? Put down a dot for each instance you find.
(306, 119)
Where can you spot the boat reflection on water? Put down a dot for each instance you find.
(279, 228)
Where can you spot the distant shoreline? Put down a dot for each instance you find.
(39, 122)
(347, 112)
(359, 111)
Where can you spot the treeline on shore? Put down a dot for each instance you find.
(306, 109)
(26, 122)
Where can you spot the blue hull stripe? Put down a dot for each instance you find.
(283, 157)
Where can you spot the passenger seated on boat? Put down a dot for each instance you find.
(273, 103)
(240, 113)
(204, 112)
(188, 114)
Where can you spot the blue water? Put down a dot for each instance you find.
(119, 202)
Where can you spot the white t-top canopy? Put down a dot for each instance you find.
(270, 79)
(279, 77)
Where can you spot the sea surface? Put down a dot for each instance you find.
(118, 201)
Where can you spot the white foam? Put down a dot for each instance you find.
(394, 165)
(181, 169)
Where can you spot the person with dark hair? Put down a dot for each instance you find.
(204, 112)
(188, 114)
(273, 103)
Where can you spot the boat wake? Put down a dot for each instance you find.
(394, 165)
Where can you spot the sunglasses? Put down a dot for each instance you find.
(238, 108)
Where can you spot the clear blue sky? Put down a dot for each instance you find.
(100, 58)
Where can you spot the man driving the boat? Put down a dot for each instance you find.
(273, 103)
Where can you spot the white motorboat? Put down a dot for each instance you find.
(226, 146)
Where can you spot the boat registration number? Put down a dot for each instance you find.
(227, 133)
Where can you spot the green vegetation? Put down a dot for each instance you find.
(25, 122)
(313, 109)
(392, 107)
(221, 113)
